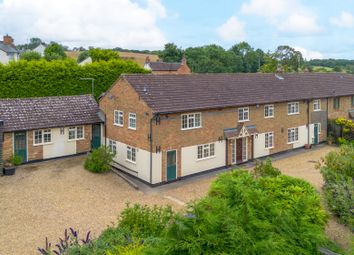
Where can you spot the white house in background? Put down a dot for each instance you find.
(86, 61)
(40, 49)
(8, 51)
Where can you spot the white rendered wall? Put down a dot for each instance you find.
(141, 168)
(3, 57)
(191, 165)
(303, 134)
(259, 142)
(60, 145)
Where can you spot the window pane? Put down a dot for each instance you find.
(47, 136)
(197, 120)
(133, 154)
(212, 149)
(72, 132)
(79, 132)
(200, 152)
(38, 137)
(206, 151)
(191, 120)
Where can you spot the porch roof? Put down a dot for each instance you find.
(236, 132)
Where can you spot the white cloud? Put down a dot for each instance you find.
(101, 23)
(232, 30)
(288, 16)
(309, 54)
(299, 24)
(345, 20)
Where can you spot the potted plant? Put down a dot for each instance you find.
(10, 166)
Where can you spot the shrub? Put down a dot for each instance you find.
(60, 77)
(337, 169)
(142, 221)
(30, 56)
(245, 215)
(265, 168)
(99, 160)
(16, 160)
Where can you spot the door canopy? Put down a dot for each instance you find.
(240, 131)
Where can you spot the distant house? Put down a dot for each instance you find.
(40, 49)
(8, 51)
(160, 67)
(48, 127)
(86, 61)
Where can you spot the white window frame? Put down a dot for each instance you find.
(269, 140)
(267, 108)
(205, 151)
(131, 154)
(295, 139)
(317, 105)
(112, 146)
(132, 119)
(294, 106)
(242, 112)
(118, 118)
(191, 120)
(42, 133)
(75, 138)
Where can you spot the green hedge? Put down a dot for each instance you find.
(61, 77)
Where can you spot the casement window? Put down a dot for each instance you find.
(243, 114)
(206, 151)
(131, 154)
(352, 101)
(76, 133)
(191, 120)
(317, 105)
(42, 136)
(132, 121)
(118, 118)
(112, 145)
(293, 135)
(269, 111)
(293, 108)
(336, 103)
(269, 140)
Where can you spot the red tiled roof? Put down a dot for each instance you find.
(48, 112)
(179, 93)
(164, 66)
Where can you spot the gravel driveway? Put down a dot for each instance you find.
(43, 199)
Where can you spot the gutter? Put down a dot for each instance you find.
(308, 122)
(150, 143)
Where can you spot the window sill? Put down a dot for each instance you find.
(269, 148)
(117, 125)
(130, 161)
(243, 121)
(317, 110)
(296, 113)
(293, 142)
(201, 159)
(270, 117)
(41, 144)
(183, 129)
(130, 128)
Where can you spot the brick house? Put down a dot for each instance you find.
(48, 127)
(164, 127)
(160, 67)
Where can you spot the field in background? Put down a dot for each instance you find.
(138, 58)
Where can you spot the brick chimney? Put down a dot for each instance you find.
(147, 60)
(8, 40)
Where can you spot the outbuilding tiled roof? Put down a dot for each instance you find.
(8, 48)
(48, 112)
(179, 93)
(164, 66)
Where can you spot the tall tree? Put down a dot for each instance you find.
(251, 59)
(54, 51)
(171, 53)
(289, 58)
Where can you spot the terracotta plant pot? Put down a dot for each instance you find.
(308, 146)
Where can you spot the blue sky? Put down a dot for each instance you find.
(320, 29)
